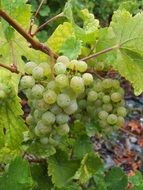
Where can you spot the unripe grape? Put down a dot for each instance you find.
(29, 66)
(42, 105)
(55, 109)
(82, 104)
(92, 96)
(77, 84)
(62, 118)
(27, 82)
(81, 66)
(72, 108)
(99, 66)
(42, 129)
(48, 118)
(115, 84)
(62, 81)
(121, 121)
(38, 73)
(103, 115)
(52, 85)
(63, 59)
(46, 68)
(2, 94)
(37, 115)
(63, 129)
(98, 86)
(107, 107)
(107, 83)
(44, 140)
(73, 65)
(98, 103)
(116, 97)
(37, 91)
(50, 97)
(121, 111)
(112, 119)
(30, 120)
(87, 78)
(60, 68)
(106, 99)
(63, 100)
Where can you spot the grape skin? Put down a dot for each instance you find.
(48, 118)
(50, 96)
(63, 100)
(27, 82)
(77, 84)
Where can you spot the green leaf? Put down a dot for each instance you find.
(90, 165)
(71, 48)
(60, 35)
(128, 35)
(61, 169)
(137, 181)
(116, 178)
(68, 11)
(82, 146)
(17, 177)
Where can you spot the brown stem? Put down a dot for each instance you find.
(12, 68)
(38, 9)
(47, 22)
(34, 43)
(92, 71)
(100, 53)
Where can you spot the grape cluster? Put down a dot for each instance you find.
(67, 91)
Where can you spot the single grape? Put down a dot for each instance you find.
(121, 121)
(37, 115)
(103, 115)
(98, 103)
(77, 84)
(29, 66)
(81, 66)
(107, 83)
(87, 78)
(107, 107)
(52, 85)
(98, 86)
(63, 129)
(99, 66)
(44, 140)
(73, 65)
(42, 129)
(55, 109)
(121, 111)
(42, 105)
(63, 100)
(116, 97)
(50, 96)
(30, 120)
(82, 104)
(60, 68)
(38, 73)
(101, 95)
(64, 60)
(106, 99)
(27, 82)
(92, 96)
(37, 91)
(48, 118)
(112, 119)
(72, 108)
(115, 84)
(62, 81)
(62, 118)
(46, 68)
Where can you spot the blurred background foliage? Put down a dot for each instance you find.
(102, 9)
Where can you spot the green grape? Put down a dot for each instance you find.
(44, 140)
(81, 66)
(98, 103)
(106, 99)
(62, 81)
(64, 60)
(100, 95)
(29, 66)
(90, 109)
(99, 66)
(63, 100)
(98, 86)
(52, 85)
(92, 96)
(30, 120)
(62, 118)
(42, 105)
(50, 96)
(121, 121)
(37, 91)
(77, 84)
(73, 65)
(121, 91)
(87, 78)
(2, 94)
(37, 115)
(116, 97)
(72, 108)
(60, 68)
(38, 73)
(107, 107)
(27, 82)
(55, 109)
(107, 83)
(48, 118)
(115, 84)
(42, 129)
(103, 123)
(112, 119)
(121, 111)
(103, 115)
(82, 104)
(63, 129)
(46, 68)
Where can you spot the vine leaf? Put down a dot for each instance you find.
(90, 165)
(17, 176)
(128, 35)
(61, 169)
(71, 48)
(60, 35)
(116, 178)
(137, 181)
